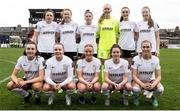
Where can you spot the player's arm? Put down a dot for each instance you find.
(136, 32)
(37, 79)
(70, 75)
(117, 30)
(78, 38)
(106, 78)
(136, 36)
(96, 78)
(57, 37)
(80, 77)
(125, 79)
(35, 36)
(14, 76)
(136, 79)
(157, 42)
(158, 78)
(98, 33)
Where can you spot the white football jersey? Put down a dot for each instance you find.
(46, 37)
(58, 71)
(88, 36)
(68, 36)
(146, 68)
(116, 71)
(126, 39)
(30, 68)
(89, 68)
(146, 33)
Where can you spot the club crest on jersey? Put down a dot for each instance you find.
(110, 67)
(52, 67)
(83, 66)
(64, 67)
(139, 65)
(24, 65)
(121, 66)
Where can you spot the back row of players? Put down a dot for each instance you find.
(59, 71)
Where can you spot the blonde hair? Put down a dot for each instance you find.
(102, 17)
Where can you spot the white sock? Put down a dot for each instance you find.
(20, 91)
(37, 94)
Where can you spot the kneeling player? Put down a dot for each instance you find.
(147, 75)
(88, 69)
(116, 75)
(32, 65)
(59, 74)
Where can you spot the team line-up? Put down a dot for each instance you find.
(105, 51)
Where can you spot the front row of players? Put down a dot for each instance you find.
(146, 75)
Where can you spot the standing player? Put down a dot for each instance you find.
(59, 74)
(88, 69)
(146, 74)
(116, 75)
(45, 34)
(148, 30)
(127, 38)
(32, 65)
(128, 31)
(87, 33)
(108, 30)
(68, 30)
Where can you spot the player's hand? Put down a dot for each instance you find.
(145, 86)
(57, 86)
(157, 53)
(120, 86)
(17, 83)
(22, 83)
(152, 86)
(116, 86)
(89, 86)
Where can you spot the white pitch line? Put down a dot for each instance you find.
(7, 78)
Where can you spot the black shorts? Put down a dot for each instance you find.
(153, 53)
(28, 86)
(46, 55)
(72, 55)
(128, 53)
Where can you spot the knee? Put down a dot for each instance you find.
(104, 86)
(9, 86)
(71, 86)
(136, 89)
(37, 87)
(97, 87)
(160, 90)
(129, 87)
(81, 88)
(46, 87)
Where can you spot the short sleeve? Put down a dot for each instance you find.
(41, 63)
(106, 69)
(37, 27)
(98, 65)
(156, 27)
(79, 65)
(19, 63)
(135, 62)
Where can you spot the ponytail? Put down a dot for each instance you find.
(150, 22)
(101, 18)
(63, 20)
(121, 19)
